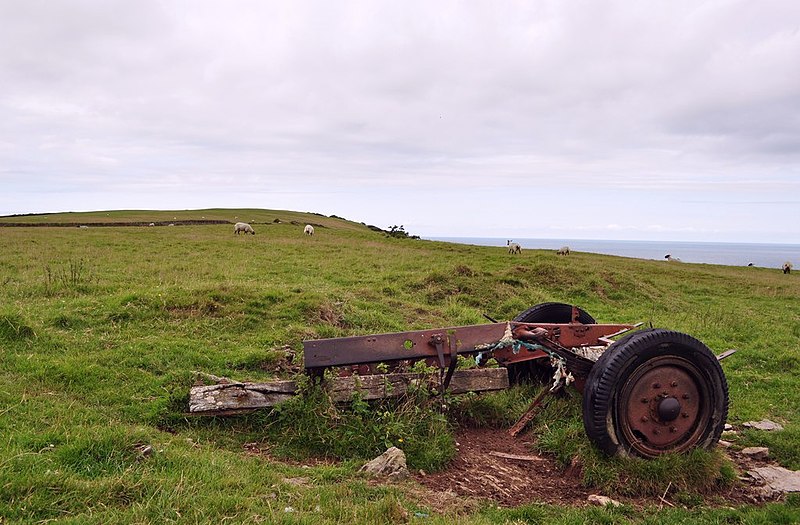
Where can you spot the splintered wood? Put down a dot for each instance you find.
(233, 398)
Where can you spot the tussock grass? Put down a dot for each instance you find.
(98, 358)
(313, 425)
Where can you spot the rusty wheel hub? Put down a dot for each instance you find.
(662, 406)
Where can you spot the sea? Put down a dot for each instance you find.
(724, 253)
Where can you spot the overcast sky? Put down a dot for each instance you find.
(674, 120)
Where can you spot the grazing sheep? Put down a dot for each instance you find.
(513, 247)
(152, 224)
(750, 264)
(308, 230)
(671, 258)
(243, 227)
(564, 250)
(787, 267)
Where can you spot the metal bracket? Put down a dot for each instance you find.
(438, 342)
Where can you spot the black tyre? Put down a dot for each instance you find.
(539, 370)
(655, 391)
(553, 313)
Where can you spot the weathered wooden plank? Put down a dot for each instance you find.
(380, 386)
(232, 398)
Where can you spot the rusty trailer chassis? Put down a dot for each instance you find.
(646, 393)
(507, 343)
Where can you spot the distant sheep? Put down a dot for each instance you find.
(152, 224)
(671, 258)
(513, 247)
(564, 250)
(787, 267)
(308, 230)
(243, 227)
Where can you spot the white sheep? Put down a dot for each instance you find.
(152, 224)
(671, 258)
(513, 247)
(564, 250)
(308, 230)
(243, 227)
(787, 267)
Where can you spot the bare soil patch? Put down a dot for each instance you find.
(476, 473)
(515, 475)
(508, 482)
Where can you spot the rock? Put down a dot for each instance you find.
(724, 444)
(764, 424)
(602, 501)
(391, 464)
(756, 452)
(297, 482)
(776, 479)
(728, 427)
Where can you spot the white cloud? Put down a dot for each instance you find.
(666, 101)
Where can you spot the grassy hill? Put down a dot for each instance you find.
(104, 329)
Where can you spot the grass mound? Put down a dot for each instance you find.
(13, 328)
(310, 424)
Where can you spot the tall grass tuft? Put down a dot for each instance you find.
(13, 328)
(72, 275)
(311, 424)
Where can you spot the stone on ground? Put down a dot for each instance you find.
(776, 479)
(756, 452)
(602, 500)
(391, 464)
(764, 424)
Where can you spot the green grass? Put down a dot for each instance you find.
(102, 331)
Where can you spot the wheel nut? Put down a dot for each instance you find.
(645, 419)
(656, 431)
(673, 429)
(674, 383)
(645, 400)
(684, 415)
(685, 396)
(656, 385)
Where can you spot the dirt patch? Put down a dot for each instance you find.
(475, 473)
(490, 465)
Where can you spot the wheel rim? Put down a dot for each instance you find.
(664, 406)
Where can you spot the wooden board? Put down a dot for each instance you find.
(233, 398)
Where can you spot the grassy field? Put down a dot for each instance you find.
(104, 329)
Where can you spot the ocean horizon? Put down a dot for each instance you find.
(763, 255)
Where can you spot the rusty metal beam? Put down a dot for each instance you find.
(413, 345)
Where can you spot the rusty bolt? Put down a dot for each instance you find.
(685, 396)
(645, 419)
(656, 431)
(674, 383)
(685, 415)
(673, 429)
(656, 385)
(645, 400)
